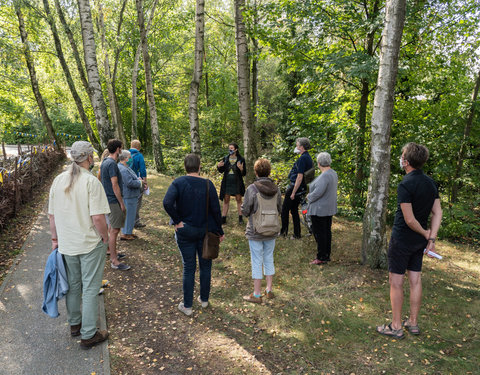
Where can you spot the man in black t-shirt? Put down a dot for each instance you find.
(417, 197)
(296, 187)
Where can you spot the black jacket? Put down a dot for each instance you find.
(238, 174)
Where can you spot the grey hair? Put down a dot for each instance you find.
(324, 159)
(80, 152)
(304, 142)
(124, 155)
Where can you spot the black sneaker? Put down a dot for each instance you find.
(240, 219)
(121, 256)
(224, 220)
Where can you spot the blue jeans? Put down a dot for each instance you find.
(131, 206)
(261, 253)
(190, 242)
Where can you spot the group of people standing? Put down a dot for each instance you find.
(80, 206)
(186, 203)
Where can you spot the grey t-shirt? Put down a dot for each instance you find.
(109, 169)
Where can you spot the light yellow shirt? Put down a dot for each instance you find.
(75, 230)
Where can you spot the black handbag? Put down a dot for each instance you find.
(211, 241)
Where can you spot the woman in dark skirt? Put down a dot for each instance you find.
(233, 168)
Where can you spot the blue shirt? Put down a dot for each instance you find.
(186, 200)
(303, 164)
(137, 163)
(55, 283)
(109, 169)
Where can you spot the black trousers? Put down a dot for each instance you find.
(290, 206)
(322, 230)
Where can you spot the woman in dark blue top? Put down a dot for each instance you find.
(186, 203)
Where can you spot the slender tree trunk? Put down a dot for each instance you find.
(95, 87)
(374, 245)
(73, 45)
(255, 53)
(197, 77)
(243, 82)
(466, 136)
(207, 89)
(33, 76)
(156, 145)
(359, 190)
(135, 74)
(114, 113)
(68, 77)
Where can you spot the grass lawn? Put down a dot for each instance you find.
(322, 320)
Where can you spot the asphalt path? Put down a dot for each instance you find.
(32, 343)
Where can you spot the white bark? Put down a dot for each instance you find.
(243, 82)
(90, 54)
(374, 244)
(157, 148)
(197, 77)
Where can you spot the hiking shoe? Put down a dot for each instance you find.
(120, 266)
(121, 256)
(224, 220)
(140, 225)
(97, 338)
(269, 294)
(204, 304)
(240, 219)
(75, 330)
(186, 310)
(252, 298)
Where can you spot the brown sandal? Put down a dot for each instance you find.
(414, 330)
(387, 330)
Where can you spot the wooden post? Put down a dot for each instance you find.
(32, 155)
(4, 152)
(15, 187)
(19, 149)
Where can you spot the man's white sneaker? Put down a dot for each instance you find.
(186, 310)
(204, 304)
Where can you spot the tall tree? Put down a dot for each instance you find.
(465, 140)
(156, 145)
(197, 77)
(374, 244)
(68, 77)
(136, 63)
(112, 97)
(95, 87)
(243, 83)
(33, 75)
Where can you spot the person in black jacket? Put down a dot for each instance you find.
(233, 168)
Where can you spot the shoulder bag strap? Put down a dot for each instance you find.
(208, 196)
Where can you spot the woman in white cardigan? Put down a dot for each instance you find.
(322, 205)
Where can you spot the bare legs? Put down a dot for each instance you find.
(226, 204)
(112, 244)
(396, 297)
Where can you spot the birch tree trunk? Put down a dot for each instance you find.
(69, 79)
(95, 87)
(466, 136)
(374, 244)
(197, 77)
(135, 75)
(157, 148)
(73, 45)
(114, 112)
(33, 76)
(243, 82)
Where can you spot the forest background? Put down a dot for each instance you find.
(184, 75)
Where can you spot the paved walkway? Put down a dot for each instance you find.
(32, 343)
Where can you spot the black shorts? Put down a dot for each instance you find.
(404, 257)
